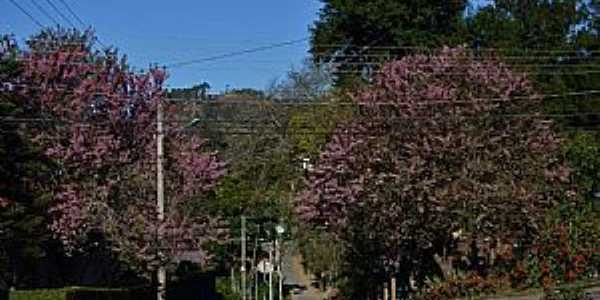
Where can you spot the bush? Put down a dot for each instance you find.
(565, 293)
(85, 294)
(224, 289)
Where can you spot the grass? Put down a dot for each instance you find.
(49, 294)
(62, 293)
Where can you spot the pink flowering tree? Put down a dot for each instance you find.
(97, 122)
(447, 152)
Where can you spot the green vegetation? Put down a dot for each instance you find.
(486, 206)
(24, 170)
(358, 33)
(83, 293)
(49, 294)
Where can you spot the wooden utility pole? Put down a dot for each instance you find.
(161, 274)
(271, 271)
(393, 288)
(385, 291)
(278, 264)
(243, 268)
(254, 264)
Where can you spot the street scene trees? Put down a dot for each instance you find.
(421, 150)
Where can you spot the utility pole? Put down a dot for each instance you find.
(254, 264)
(385, 291)
(271, 271)
(264, 279)
(160, 198)
(278, 260)
(243, 268)
(393, 288)
(278, 264)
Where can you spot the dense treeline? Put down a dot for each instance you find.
(466, 169)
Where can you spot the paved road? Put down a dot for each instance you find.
(299, 283)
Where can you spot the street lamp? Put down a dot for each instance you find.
(279, 229)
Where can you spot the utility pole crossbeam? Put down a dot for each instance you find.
(161, 273)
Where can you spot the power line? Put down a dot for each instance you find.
(45, 12)
(236, 53)
(73, 13)
(60, 13)
(544, 69)
(474, 101)
(434, 102)
(38, 23)
(490, 49)
(265, 130)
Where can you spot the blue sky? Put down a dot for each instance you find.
(165, 32)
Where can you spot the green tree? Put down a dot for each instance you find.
(355, 33)
(534, 24)
(553, 41)
(23, 172)
(249, 132)
(198, 91)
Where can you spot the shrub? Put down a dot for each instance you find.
(224, 289)
(467, 285)
(566, 293)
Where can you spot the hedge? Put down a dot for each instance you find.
(77, 293)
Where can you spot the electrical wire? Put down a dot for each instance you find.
(73, 13)
(242, 127)
(484, 49)
(235, 53)
(24, 11)
(60, 13)
(587, 69)
(45, 12)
